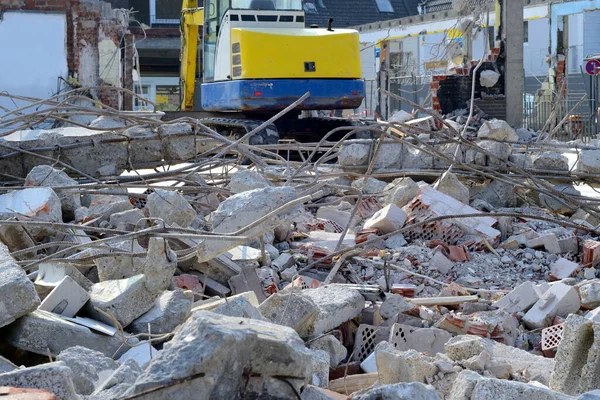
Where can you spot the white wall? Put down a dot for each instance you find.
(591, 32)
(34, 54)
(535, 50)
(575, 55)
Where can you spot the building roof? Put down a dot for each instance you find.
(350, 13)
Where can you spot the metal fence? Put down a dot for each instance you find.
(580, 117)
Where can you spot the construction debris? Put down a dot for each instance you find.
(419, 263)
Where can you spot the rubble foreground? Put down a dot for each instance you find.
(426, 259)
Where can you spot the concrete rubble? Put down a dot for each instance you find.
(382, 272)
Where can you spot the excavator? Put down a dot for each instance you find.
(243, 61)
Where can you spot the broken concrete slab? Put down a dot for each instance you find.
(369, 185)
(45, 333)
(320, 367)
(353, 154)
(501, 389)
(340, 217)
(589, 161)
(171, 207)
(449, 184)
(103, 206)
(248, 280)
(66, 299)
(560, 300)
(239, 306)
(159, 266)
(430, 341)
(170, 310)
(522, 298)
(55, 377)
(142, 353)
(556, 241)
(45, 175)
(395, 366)
(214, 350)
(498, 194)
(119, 266)
(246, 179)
(563, 268)
(389, 219)
(90, 368)
(283, 262)
(17, 293)
(16, 238)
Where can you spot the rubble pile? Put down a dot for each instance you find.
(283, 279)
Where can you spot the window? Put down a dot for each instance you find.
(295, 5)
(384, 6)
(525, 31)
(165, 12)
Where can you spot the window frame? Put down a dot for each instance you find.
(154, 20)
(377, 4)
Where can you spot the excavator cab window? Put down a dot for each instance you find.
(215, 11)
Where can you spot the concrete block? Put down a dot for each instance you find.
(90, 368)
(464, 384)
(522, 297)
(552, 161)
(55, 377)
(126, 299)
(563, 268)
(16, 238)
(41, 204)
(118, 382)
(354, 154)
(589, 292)
(215, 350)
(103, 206)
(413, 158)
(291, 309)
(387, 220)
(246, 179)
(499, 154)
(393, 305)
(560, 300)
(500, 389)
(589, 161)
(340, 217)
(466, 346)
(593, 315)
(337, 304)
(159, 266)
(239, 306)
(401, 192)
(50, 274)
(66, 299)
(142, 354)
(415, 390)
(45, 175)
(336, 350)
(449, 184)
(430, 341)
(497, 129)
(169, 311)
(17, 293)
(311, 392)
(171, 207)
(283, 262)
(578, 357)
(120, 267)
(243, 209)
(498, 194)
(389, 155)
(440, 263)
(556, 241)
(394, 366)
(128, 220)
(320, 366)
(41, 332)
(369, 185)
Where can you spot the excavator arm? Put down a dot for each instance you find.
(192, 18)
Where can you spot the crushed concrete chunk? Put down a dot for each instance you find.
(45, 175)
(389, 219)
(497, 129)
(215, 350)
(393, 305)
(369, 185)
(244, 180)
(118, 266)
(55, 377)
(45, 333)
(90, 368)
(320, 364)
(449, 184)
(168, 312)
(328, 343)
(128, 220)
(353, 154)
(552, 161)
(401, 191)
(563, 268)
(394, 366)
(501, 389)
(291, 309)
(589, 161)
(590, 294)
(522, 297)
(560, 300)
(40, 204)
(118, 382)
(17, 293)
(413, 391)
(171, 207)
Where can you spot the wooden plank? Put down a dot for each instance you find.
(353, 383)
(442, 301)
